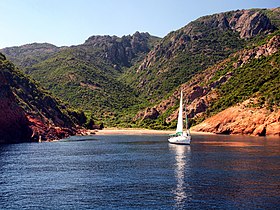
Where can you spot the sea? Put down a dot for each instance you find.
(141, 172)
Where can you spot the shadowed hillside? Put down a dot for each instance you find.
(28, 112)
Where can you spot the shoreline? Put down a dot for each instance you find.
(143, 131)
(138, 131)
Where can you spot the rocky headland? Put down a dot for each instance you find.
(243, 119)
(27, 112)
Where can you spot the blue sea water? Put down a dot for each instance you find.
(141, 172)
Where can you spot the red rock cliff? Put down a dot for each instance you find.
(27, 113)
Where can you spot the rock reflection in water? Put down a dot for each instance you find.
(182, 192)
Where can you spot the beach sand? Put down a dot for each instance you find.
(132, 131)
(136, 131)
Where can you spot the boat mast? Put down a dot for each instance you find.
(187, 125)
(186, 119)
(187, 130)
(180, 123)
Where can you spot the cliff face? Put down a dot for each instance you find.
(249, 23)
(27, 112)
(122, 51)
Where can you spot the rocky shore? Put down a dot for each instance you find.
(243, 120)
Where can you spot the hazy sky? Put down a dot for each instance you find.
(71, 22)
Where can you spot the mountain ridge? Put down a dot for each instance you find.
(30, 54)
(196, 46)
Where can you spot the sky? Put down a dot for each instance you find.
(71, 22)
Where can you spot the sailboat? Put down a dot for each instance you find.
(181, 136)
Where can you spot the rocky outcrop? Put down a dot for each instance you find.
(149, 113)
(243, 120)
(43, 129)
(249, 23)
(245, 56)
(122, 51)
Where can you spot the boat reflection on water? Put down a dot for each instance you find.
(182, 192)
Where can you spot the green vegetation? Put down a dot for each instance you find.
(86, 76)
(259, 78)
(83, 84)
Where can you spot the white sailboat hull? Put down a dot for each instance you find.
(180, 140)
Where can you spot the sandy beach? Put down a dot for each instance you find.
(132, 131)
(135, 131)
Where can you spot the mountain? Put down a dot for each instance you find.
(183, 53)
(239, 95)
(86, 75)
(28, 112)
